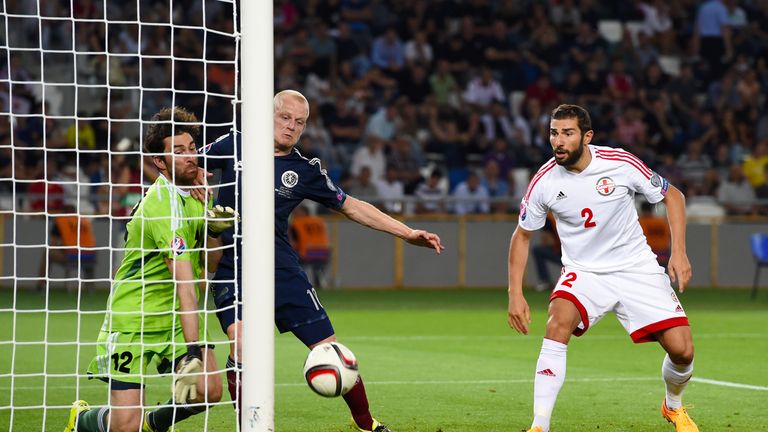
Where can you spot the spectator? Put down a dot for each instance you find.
(658, 24)
(390, 191)
(755, 163)
(565, 16)
(735, 193)
(496, 185)
(324, 50)
(71, 243)
(405, 164)
(621, 85)
(362, 185)
(370, 155)
(445, 89)
(630, 127)
(542, 90)
(388, 53)
(80, 134)
(418, 50)
(500, 154)
(471, 197)
(447, 139)
(712, 37)
(431, 194)
(414, 84)
(501, 54)
(497, 123)
(682, 92)
(761, 194)
(383, 124)
(45, 194)
(484, 89)
(345, 126)
(694, 164)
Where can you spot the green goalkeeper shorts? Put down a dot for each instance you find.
(125, 357)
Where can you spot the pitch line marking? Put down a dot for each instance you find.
(729, 384)
(513, 336)
(455, 382)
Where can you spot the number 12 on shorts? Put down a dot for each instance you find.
(315, 299)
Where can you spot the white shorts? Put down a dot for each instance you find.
(644, 303)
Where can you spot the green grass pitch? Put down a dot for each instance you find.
(432, 361)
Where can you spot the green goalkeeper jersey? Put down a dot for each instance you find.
(167, 223)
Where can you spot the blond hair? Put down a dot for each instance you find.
(278, 99)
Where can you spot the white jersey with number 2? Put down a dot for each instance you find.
(595, 210)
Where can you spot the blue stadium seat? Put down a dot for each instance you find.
(456, 176)
(759, 243)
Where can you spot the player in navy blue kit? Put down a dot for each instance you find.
(297, 308)
(224, 154)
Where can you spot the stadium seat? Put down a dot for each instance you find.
(456, 176)
(670, 65)
(759, 243)
(610, 30)
(515, 103)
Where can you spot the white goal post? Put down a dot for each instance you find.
(258, 231)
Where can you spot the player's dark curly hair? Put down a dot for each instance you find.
(168, 122)
(566, 111)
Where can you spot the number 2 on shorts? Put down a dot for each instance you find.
(569, 277)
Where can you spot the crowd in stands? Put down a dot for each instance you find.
(76, 140)
(441, 106)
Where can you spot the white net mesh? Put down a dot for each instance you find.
(79, 80)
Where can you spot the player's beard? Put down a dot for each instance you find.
(572, 157)
(182, 176)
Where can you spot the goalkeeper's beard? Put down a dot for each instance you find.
(181, 175)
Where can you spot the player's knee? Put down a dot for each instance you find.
(560, 328)
(131, 424)
(682, 356)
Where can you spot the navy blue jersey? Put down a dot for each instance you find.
(298, 178)
(224, 154)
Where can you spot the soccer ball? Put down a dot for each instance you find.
(331, 369)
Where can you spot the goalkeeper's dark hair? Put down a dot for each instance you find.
(169, 122)
(566, 111)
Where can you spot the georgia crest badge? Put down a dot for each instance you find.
(605, 186)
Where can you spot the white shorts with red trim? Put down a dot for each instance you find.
(644, 303)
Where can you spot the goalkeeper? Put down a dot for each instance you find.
(153, 307)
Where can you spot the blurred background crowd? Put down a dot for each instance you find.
(420, 106)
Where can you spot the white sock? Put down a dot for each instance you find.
(676, 377)
(550, 375)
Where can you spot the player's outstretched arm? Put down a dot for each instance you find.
(679, 268)
(368, 215)
(518, 312)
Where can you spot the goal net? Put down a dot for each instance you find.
(79, 82)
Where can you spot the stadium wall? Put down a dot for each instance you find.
(475, 255)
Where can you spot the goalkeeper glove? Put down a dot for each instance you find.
(185, 386)
(220, 219)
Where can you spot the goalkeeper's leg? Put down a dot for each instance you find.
(208, 392)
(124, 413)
